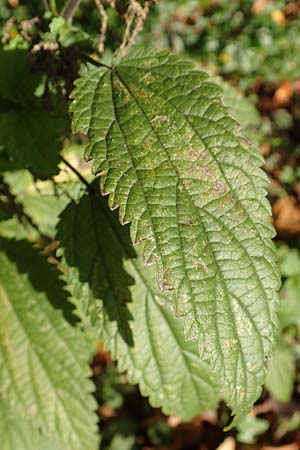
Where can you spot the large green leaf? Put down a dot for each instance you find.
(43, 361)
(116, 295)
(18, 433)
(171, 159)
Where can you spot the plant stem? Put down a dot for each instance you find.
(81, 178)
(91, 60)
(46, 5)
(69, 9)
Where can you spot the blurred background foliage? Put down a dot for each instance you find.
(252, 49)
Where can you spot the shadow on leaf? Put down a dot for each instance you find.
(96, 244)
(43, 276)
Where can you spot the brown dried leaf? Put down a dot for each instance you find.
(286, 213)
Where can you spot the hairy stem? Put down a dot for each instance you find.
(69, 9)
(46, 5)
(78, 174)
(92, 61)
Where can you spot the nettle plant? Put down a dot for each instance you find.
(164, 255)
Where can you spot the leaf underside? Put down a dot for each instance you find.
(171, 160)
(116, 295)
(44, 361)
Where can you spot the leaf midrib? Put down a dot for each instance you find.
(196, 132)
(219, 167)
(221, 279)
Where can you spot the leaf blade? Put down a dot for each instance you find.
(281, 373)
(17, 433)
(151, 346)
(42, 376)
(171, 160)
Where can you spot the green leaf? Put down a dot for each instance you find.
(281, 373)
(289, 262)
(29, 133)
(43, 361)
(14, 229)
(289, 309)
(117, 295)
(31, 137)
(120, 441)
(251, 427)
(110, 388)
(17, 82)
(160, 433)
(18, 433)
(171, 159)
(287, 424)
(242, 109)
(42, 201)
(66, 34)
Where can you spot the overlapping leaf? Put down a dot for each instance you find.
(43, 361)
(281, 373)
(241, 108)
(29, 134)
(17, 82)
(170, 158)
(117, 296)
(31, 138)
(42, 202)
